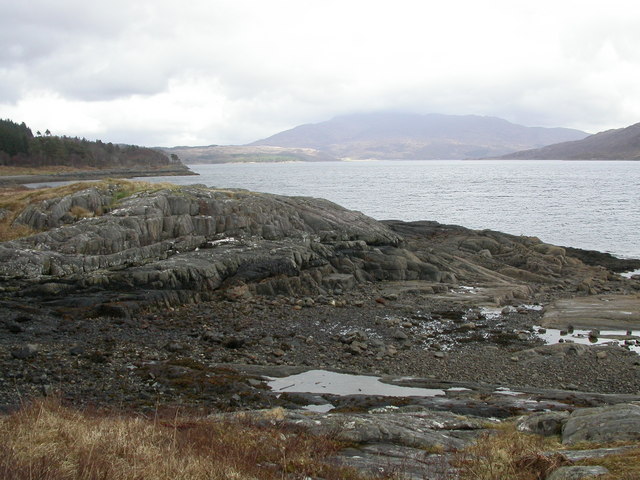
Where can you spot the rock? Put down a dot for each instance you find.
(77, 350)
(576, 473)
(27, 351)
(234, 342)
(603, 424)
(398, 334)
(546, 423)
(14, 327)
(175, 347)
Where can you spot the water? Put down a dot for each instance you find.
(324, 381)
(586, 204)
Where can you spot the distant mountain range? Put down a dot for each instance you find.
(618, 144)
(412, 136)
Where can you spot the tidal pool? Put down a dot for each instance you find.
(612, 337)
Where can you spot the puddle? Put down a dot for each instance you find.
(324, 408)
(606, 337)
(323, 381)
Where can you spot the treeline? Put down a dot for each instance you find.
(20, 148)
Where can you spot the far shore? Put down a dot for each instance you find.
(13, 180)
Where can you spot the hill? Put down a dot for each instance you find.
(232, 153)
(411, 136)
(21, 152)
(618, 144)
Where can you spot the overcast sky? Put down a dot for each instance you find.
(200, 72)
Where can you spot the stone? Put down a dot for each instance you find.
(175, 347)
(545, 423)
(27, 351)
(613, 423)
(398, 334)
(576, 473)
(77, 350)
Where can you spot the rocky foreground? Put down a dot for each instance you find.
(196, 297)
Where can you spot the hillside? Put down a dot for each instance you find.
(238, 154)
(618, 144)
(411, 136)
(21, 152)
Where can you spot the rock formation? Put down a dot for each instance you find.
(183, 244)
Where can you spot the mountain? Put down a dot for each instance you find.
(412, 136)
(239, 154)
(618, 144)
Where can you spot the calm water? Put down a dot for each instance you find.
(593, 205)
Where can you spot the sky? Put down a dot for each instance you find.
(202, 72)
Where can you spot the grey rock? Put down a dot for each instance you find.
(398, 334)
(576, 473)
(545, 423)
(603, 424)
(425, 429)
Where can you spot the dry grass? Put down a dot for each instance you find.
(46, 441)
(508, 454)
(519, 456)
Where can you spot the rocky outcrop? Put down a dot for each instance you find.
(603, 424)
(183, 244)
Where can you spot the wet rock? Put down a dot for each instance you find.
(576, 473)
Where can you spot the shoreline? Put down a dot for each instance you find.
(14, 180)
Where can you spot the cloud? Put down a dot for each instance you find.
(231, 71)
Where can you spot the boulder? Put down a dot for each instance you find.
(544, 423)
(603, 424)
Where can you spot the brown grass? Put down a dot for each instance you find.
(519, 456)
(47, 441)
(508, 454)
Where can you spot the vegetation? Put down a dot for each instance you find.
(47, 441)
(15, 200)
(521, 456)
(19, 148)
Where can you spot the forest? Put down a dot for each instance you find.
(19, 147)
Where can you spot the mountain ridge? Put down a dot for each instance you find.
(386, 135)
(615, 144)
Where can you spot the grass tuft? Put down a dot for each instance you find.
(48, 441)
(507, 454)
